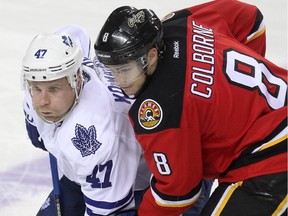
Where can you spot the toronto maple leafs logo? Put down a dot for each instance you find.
(67, 40)
(85, 140)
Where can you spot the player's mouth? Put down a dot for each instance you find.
(126, 87)
(46, 114)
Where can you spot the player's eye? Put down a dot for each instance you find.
(53, 89)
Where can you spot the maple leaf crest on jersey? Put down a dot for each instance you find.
(85, 140)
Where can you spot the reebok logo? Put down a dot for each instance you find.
(176, 49)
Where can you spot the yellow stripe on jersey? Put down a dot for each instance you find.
(178, 205)
(275, 142)
(280, 137)
(281, 208)
(225, 197)
(256, 34)
(175, 204)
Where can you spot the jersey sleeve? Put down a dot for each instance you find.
(172, 190)
(34, 135)
(175, 163)
(107, 184)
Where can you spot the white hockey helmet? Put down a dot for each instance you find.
(51, 57)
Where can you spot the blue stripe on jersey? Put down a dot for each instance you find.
(90, 213)
(107, 205)
(88, 62)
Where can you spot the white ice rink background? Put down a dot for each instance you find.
(24, 170)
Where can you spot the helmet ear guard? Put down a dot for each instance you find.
(128, 34)
(51, 57)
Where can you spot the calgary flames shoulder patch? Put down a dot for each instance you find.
(149, 114)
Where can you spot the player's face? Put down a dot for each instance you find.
(129, 77)
(53, 99)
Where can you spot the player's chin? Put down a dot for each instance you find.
(126, 88)
(50, 117)
(128, 91)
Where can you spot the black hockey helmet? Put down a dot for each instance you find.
(127, 35)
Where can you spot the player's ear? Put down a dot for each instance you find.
(152, 58)
(152, 55)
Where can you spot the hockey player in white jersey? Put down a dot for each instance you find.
(83, 124)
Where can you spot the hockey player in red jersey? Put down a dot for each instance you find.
(207, 106)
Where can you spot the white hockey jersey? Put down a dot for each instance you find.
(95, 145)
